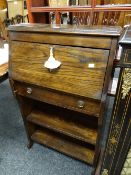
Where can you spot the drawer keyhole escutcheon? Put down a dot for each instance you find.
(29, 90)
(52, 63)
(80, 103)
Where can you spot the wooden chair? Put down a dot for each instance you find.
(4, 63)
(4, 23)
(3, 26)
(3, 72)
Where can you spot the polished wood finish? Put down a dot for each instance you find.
(68, 29)
(63, 109)
(3, 69)
(63, 39)
(64, 145)
(75, 61)
(67, 101)
(65, 123)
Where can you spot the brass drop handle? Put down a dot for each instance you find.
(80, 104)
(29, 90)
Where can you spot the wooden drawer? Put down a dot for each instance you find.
(68, 101)
(75, 76)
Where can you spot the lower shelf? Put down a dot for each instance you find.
(65, 125)
(64, 145)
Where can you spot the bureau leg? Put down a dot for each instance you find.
(30, 144)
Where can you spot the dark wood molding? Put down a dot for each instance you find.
(119, 140)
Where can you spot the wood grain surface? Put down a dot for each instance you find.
(62, 39)
(50, 101)
(68, 101)
(64, 124)
(109, 31)
(3, 69)
(65, 145)
(74, 76)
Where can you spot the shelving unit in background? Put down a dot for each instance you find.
(95, 12)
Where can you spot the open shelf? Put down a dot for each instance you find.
(65, 124)
(64, 145)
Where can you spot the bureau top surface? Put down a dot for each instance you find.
(67, 29)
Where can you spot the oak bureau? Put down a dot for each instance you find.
(60, 76)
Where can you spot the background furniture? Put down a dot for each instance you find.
(95, 12)
(4, 33)
(63, 108)
(16, 7)
(3, 62)
(3, 4)
(3, 16)
(3, 36)
(3, 72)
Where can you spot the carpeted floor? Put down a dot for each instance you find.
(16, 159)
